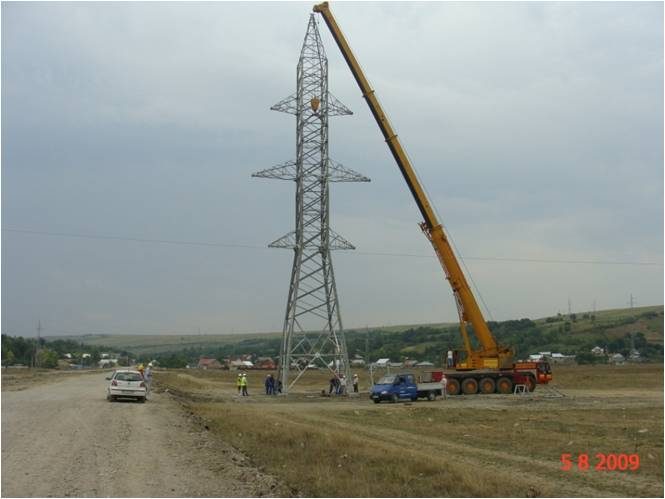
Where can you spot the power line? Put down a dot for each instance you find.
(132, 239)
(365, 253)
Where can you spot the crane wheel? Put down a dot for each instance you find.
(487, 386)
(453, 387)
(469, 386)
(504, 385)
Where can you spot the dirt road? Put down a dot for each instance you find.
(65, 439)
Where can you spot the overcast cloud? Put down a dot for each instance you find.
(537, 129)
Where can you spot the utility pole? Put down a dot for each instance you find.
(37, 344)
(632, 301)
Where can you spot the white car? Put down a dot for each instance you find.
(126, 383)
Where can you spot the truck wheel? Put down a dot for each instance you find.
(431, 396)
(394, 398)
(414, 398)
(530, 382)
(469, 386)
(452, 387)
(504, 385)
(487, 385)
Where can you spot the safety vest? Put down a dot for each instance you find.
(243, 381)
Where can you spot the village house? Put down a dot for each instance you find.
(617, 359)
(106, 363)
(357, 361)
(265, 363)
(382, 363)
(209, 363)
(598, 351)
(236, 364)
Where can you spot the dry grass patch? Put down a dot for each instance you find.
(464, 446)
(327, 460)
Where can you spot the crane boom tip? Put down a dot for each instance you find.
(319, 7)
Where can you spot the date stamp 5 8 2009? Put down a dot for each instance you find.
(603, 462)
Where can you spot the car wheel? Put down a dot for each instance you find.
(431, 396)
(376, 401)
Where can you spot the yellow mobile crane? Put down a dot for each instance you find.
(489, 357)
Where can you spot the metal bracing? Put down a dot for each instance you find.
(313, 332)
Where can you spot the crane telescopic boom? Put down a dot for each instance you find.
(489, 354)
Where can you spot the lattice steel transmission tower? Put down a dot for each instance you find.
(313, 332)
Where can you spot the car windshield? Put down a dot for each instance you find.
(387, 380)
(128, 377)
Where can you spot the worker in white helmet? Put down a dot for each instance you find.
(243, 385)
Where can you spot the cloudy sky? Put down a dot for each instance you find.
(537, 129)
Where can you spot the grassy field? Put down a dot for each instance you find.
(463, 446)
(611, 320)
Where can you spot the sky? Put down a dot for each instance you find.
(536, 128)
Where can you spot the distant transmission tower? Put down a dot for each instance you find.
(313, 333)
(631, 302)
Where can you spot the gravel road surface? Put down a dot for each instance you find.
(64, 439)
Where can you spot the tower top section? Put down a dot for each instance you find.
(312, 46)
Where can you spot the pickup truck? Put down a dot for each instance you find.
(395, 387)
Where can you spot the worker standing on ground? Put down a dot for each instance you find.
(239, 383)
(333, 385)
(444, 384)
(342, 385)
(243, 385)
(147, 378)
(270, 385)
(355, 383)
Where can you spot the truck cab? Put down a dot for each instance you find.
(395, 387)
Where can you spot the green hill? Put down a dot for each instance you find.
(140, 344)
(574, 334)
